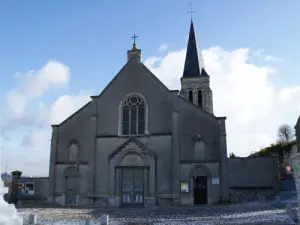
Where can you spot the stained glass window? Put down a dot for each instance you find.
(133, 115)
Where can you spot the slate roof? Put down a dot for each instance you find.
(194, 64)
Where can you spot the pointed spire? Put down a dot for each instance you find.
(194, 63)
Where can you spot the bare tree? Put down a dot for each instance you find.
(285, 133)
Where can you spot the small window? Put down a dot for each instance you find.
(200, 98)
(29, 188)
(190, 95)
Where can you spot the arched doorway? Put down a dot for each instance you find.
(200, 190)
(201, 184)
(71, 177)
(132, 175)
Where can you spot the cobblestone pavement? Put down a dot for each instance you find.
(260, 213)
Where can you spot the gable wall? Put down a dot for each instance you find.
(135, 78)
(82, 126)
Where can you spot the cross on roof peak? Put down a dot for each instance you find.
(191, 10)
(134, 38)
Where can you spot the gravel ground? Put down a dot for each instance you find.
(259, 213)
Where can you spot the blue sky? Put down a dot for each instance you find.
(91, 37)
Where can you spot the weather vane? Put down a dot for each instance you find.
(191, 10)
(134, 37)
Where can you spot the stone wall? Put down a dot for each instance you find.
(39, 197)
(253, 178)
(253, 173)
(243, 195)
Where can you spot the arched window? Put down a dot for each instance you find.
(199, 149)
(190, 95)
(133, 117)
(73, 152)
(200, 98)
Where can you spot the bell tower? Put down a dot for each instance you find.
(195, 85)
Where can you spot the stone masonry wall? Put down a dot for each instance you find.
(243, 195)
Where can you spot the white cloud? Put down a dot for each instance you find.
(272, 58)
(150, 62)
(168, 68)
(35, 140)
(260, 54)
(242, 91)
(66, 105)
(33, 85)
(32, 144)
(163, 48)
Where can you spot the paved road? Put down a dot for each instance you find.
(260, 213)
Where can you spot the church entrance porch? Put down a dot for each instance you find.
(200, 190)
(132, 186)
(132, 175)
(196, 187)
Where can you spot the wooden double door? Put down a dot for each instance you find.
(200, 190)
(71, 196)
(71, 190)
(132, 186)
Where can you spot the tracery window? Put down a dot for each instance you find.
(133, 115)
(190, 95)
(200, 98)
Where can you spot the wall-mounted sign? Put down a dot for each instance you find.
(215, 180)
(184, 187)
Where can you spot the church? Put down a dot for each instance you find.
(138, 143)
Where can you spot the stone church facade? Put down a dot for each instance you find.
(139, 143)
